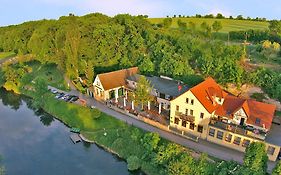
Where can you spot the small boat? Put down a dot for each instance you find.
(75, 130)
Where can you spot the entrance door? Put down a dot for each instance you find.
(242, 121)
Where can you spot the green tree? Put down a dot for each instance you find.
(142, 91)
(41, 88)
(167, 22)
(220, 16)
(134, 163)
(90, 72)
(255, 158)
(146, 66)
(167, 153)
(277, 169)
(275, 27)
(71, 47)
(183, 165)
(239, 17)
(217, 26)
(150, 141)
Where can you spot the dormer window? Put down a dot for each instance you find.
(258, 121)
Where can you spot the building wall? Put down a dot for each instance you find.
(197, 108)
(239, 147)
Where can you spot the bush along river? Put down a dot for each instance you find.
(33, 142)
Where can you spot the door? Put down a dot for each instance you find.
(242, 121)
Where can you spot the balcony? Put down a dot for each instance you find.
(238, 129)
(185, 117)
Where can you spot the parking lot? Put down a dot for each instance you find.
(61, 95)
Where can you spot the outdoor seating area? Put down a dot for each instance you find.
(152, 113)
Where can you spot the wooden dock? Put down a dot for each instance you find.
(75, 138)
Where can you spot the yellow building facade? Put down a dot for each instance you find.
(189, 115)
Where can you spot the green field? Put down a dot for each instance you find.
(6, 54)
(227, 24)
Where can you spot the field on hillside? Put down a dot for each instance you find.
(6, 54)
(227, 24)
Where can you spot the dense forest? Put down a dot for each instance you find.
(79, 45)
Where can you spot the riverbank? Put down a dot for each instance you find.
(142, 150)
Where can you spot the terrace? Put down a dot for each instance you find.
(151, 113)
(238, 129)
(185, 117)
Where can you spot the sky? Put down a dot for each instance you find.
(19, 11)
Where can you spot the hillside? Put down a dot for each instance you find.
(77, 44)
(227, 24)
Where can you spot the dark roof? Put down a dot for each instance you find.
(163, 85)
(274, 136)
(115, 79)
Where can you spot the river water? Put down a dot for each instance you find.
(34, 143)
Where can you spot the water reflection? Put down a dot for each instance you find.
(29, 147)
(10, 99)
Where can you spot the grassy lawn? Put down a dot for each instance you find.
(48, 72)
(6, 54)
(89, 120)
(272, 60)
(227, 24)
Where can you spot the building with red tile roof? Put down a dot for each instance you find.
(209, 112)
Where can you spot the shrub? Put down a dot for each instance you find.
(134, 163)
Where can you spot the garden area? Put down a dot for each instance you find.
(6, 55)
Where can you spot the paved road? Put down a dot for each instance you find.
(211, 149)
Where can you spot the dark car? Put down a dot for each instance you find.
(60, 95)
(74, 98)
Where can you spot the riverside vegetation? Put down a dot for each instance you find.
(81, 46)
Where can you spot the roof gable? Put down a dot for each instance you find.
(205, 91)
(116, 79)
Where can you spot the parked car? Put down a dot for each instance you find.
(67, 98)
(74, 98)
(54, 91)
(59, 95)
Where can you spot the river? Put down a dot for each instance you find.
(34, 143)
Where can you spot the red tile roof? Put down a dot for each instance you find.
(252, 108)
(115, 79)
(230, 105)
(205, 91)
(263, 111)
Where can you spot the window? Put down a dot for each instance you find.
(245, 143)
(162, 95)
(186, 100)
(192, 101)
(177, 120)
(186, 111)
(191, 126)
(202, 115)
(228, 138)
(212, 132)
(183, 123)
(200, 128)
(237, 140)
(191, 112)
(177, 108)
(270, 150)
(220, 135)
(258, 121)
